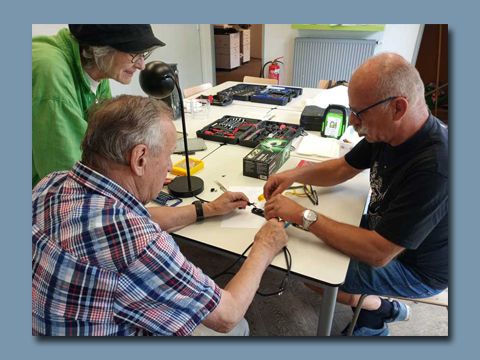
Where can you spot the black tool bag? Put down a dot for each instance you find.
(312, 118)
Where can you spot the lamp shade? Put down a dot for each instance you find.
(157, 79)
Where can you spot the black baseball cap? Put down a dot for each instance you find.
(126, 38)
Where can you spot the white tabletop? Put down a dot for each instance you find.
(194, 123)
(296, 104)
(216, 112)
(311, 258)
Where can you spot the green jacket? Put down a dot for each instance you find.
(61, 96)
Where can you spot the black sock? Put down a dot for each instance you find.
(374, 319)
(385, 309)
(369, 319)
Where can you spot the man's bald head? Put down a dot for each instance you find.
(389, 74)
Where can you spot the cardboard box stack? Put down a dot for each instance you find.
(227, 50)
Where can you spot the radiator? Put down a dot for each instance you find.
(328, 59)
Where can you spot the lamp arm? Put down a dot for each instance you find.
(184, 131)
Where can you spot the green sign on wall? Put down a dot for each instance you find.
(340, 27)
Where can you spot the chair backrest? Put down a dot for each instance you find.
(259, 80)
(196, 89)
(327, 84)
(324, 84)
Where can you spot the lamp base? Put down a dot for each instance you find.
(179, 186)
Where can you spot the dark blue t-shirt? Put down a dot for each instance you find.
(409, 201)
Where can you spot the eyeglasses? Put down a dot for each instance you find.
(307, 191)
(357, 113)
(145, 55)
(312, 194)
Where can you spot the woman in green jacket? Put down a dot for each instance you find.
(70, 72)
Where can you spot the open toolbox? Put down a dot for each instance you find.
(218, 99)
(248, 132)
(275, 95)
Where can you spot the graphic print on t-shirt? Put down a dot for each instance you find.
(378, 194)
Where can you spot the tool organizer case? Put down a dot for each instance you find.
(246, 131)
(275, 95)
(217, 100)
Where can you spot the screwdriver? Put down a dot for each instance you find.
(224, 189)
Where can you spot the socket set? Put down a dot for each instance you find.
(248, 132)
(275, 95)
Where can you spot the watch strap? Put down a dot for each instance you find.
(199, 210)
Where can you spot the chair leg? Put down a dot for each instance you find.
(356, 314)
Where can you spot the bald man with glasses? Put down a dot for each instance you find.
(401, 246)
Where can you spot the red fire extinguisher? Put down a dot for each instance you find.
(273, 69)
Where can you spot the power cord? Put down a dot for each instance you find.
(219, 146)
(286, 253)
(283, 284)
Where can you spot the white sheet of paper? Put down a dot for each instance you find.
(318, 146)
(336, 95)
(244, 218)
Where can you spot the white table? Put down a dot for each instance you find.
(239, 108)
(296, 104)
(343, 203)
(312, 260)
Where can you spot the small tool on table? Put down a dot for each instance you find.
(255, 210)
(224, 189)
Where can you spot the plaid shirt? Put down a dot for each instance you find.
(101, 266)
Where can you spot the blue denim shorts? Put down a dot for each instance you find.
(394, 279)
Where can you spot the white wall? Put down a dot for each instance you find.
(279, 41)
(183, 47)
(403, 39)
(190, 46)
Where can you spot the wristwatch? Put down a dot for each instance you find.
(309, 217)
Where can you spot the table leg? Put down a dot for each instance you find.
(327, 310)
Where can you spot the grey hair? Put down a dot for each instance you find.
(102, 56)
(397, 77)
(117, 125)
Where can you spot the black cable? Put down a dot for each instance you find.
(286, 253)
(233, 264)
(283, 283)
(219, 146)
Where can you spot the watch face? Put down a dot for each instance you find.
(310, 215)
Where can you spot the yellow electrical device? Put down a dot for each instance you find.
(180, 167)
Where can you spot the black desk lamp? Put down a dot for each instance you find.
(159, 81)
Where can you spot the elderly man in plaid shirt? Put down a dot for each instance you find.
(103, 264)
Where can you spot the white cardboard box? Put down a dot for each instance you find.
(245, 45)
(227, 61)
(227, 50)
